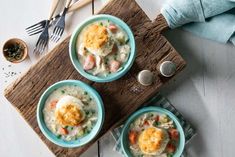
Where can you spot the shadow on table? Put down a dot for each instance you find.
(191, 102)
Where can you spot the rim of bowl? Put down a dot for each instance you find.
(73, 143)
(74, 58)
(153, 109)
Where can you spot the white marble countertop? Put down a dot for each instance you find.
(203, 92)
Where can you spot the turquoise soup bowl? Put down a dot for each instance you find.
(125, 131)
(80, 141)
(73, 50)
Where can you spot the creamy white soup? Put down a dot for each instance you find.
(153, 135)
(70, 112)
(103, 48)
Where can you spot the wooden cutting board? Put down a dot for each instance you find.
(120, 97)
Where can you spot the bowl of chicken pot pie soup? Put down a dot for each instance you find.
(70, 113)
(152, 132)
(102, 48)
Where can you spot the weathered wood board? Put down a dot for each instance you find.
(120, 97)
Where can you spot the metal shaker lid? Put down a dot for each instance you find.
(167, 68)
(145, 77)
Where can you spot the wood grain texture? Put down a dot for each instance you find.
(121, 97)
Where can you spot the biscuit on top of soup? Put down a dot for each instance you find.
(103, 48)
(70, 112)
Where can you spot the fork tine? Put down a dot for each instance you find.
(42, 40)
(39, 45)
(60, 34)
(53, 37)
(41, 48)
(57, 34)
(55, 29)
(58, 30)
(36, 32)
(44, 43)
(35, 50)
(34, 29)
(30, 27)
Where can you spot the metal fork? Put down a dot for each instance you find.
(42, 40)
(44, 37)
(60, 25)
(38, 27)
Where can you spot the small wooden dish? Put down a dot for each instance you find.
(11, 42)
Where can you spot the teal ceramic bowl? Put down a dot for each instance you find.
(124, 134)
(80, 141)
(73, 49)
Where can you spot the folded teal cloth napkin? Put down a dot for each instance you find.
(211, 19)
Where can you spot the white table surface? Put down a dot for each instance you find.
(204, 92)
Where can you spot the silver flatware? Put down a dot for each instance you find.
(38, 27)
(44, 37)
(60, 25)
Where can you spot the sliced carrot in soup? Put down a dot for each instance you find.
(132, 137)
(53, 104)
(63, 131)
(113, 28)
(174, 134)
(170, 148)
(89, 62)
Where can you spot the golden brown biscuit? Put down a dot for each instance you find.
(150, 140)
(69, 115)
(95, 36)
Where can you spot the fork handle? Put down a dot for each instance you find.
(68, 2)
(78, 5)
(53, 8)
